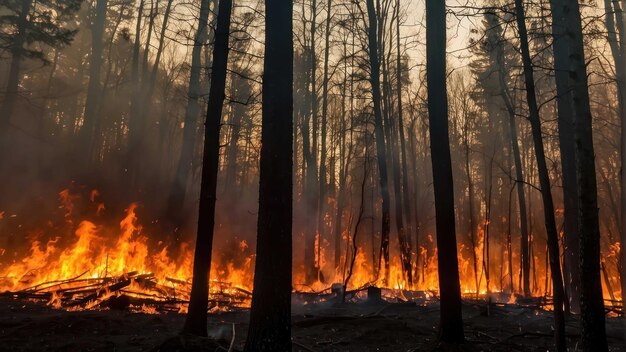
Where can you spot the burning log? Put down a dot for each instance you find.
(49, 284)
(124, 281)
(177, 281)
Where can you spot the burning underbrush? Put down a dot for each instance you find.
(88, 260)
(94, 265)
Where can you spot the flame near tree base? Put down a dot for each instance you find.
(97, 265)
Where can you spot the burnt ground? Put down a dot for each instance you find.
(26, 326)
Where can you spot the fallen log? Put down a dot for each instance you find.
(122, 282)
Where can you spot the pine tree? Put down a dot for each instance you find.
(28, 26)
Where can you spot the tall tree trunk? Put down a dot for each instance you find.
(470, 200)
(405, 245)
(310, 202)
(343, 163)
(382, 12)
(486, 223)
(196, 322)
(521, 199)
(416, 209)
(309, 136)
(509, 242)
(380, 138)
(176, 200)
(451, 325)
(406, 203)
(391, 136)
(88, 133)
(616, 33)
(591, 301)
(321, 205)
(561, 43)
(544, 181)
(519, 173)
(270, 315)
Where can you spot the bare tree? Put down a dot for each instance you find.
(406, 203)
(591, 300)
(451, 324)
(270, 316)
(614, 21)
(321, 205)
(197, 313)
(560, 48)
(381, 153)
(544, 181)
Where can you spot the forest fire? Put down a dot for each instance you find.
(312, 175)
(99, 257)
(101, 263)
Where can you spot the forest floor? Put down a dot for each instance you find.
(27, 326)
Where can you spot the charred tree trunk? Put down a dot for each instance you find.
(379, 136)
(196, 322)
(544, 181)
(616, 33)
(451, 325)
(270, 316)
(591, 301)
(561, 43)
